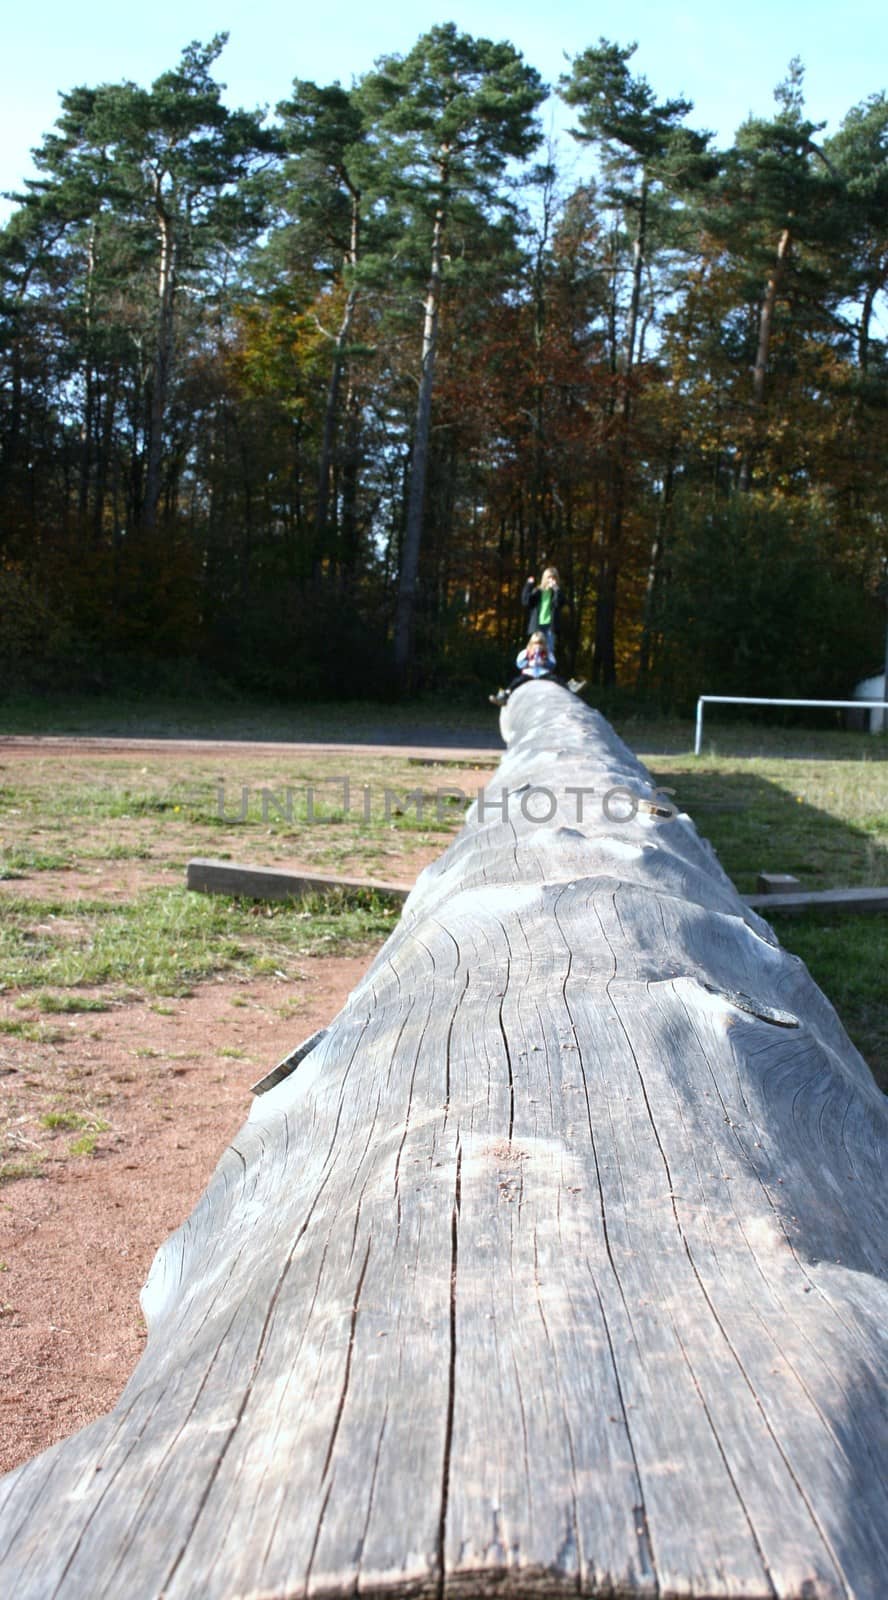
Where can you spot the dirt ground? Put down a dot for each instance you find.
(167, 1084)
(173, 1087)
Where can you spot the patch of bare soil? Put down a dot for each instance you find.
(157, 1090)
(120, 881)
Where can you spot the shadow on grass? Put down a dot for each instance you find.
(750, 736)
(848, 957)
(422, 722)
(757, 825)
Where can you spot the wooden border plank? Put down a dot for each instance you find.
(860, 902)
(209, 876)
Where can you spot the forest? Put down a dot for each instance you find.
(296, 402)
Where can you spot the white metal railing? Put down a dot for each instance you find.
(749, 700)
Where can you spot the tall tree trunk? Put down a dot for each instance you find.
(335, 384)
(89, 397)
(638, 256)
(349, 533)
(604, 659)
(106, 443)
(760, 370)
(654, 579)
(404, 616)
(13, 451)
(540, 519)
(330, 413)
(604, 663)
(166, 290)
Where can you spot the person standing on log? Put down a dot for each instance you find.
(544, 604)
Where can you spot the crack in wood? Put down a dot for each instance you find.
(451, 1376)
(646, 1551)
(348, 1361)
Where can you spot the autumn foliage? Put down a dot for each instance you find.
(218, 336)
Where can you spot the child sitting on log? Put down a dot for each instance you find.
(536, 660)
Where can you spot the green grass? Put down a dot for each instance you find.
(69, 1121)
(20, 863)
(35, 1032)
(166, 940)
(826, 822)
(64, 1003)
(848, 958)
(130, 716)
(436, 718)
(118, 852)
(117, 808)
(84, 1146)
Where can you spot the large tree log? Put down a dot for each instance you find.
(557, 1267)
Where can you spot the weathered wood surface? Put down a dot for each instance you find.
(556, 1268)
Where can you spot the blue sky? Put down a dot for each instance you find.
(726, 61)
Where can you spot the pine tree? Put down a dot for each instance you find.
(448, 117)
(170, 163)
(327, 188)
(648, 159)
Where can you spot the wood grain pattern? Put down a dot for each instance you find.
(557, 1267)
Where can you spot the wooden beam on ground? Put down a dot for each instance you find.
(857, 902)
(274, 883)
(557, 1268)
(278, 883)
(777, 883)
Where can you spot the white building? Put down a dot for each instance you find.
(871, 689)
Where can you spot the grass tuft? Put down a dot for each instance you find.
(63, 1004)
(29, 1165)
(35, 1032)
(69, 1121)
(84, 1146)
(19, 863)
